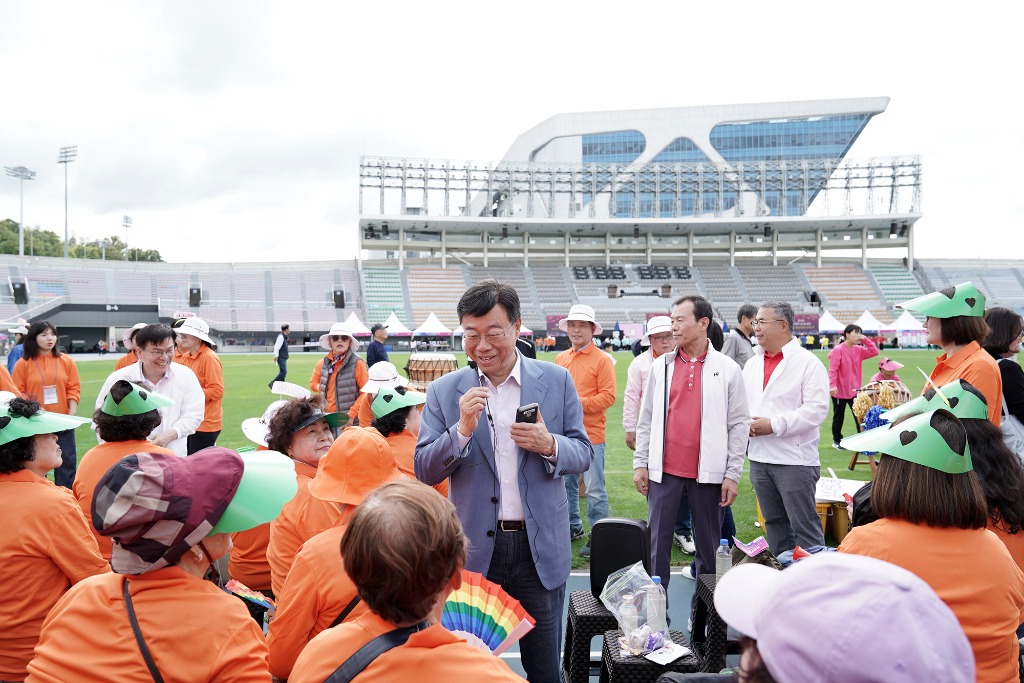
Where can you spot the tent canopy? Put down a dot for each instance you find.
(356, 325)
(907, 323)
(870, 323)
(828, 323)
(524, 331)
(396, 327)
(431, 327)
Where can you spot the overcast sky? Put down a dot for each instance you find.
(233, 130)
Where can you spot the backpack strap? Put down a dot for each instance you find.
(345, 612)
(150, 664)
(362, 657)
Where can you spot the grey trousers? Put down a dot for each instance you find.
(786, 496)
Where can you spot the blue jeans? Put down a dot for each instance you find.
(597, 496)
(65, 474)
(282, 370)
(513, 569)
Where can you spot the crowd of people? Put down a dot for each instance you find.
(364, 501)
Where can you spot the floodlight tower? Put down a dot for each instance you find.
(67, 155)
(127, 223)
(22, 174)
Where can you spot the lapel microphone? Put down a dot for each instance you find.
(487, 402)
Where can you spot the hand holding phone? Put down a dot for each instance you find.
(527, 413)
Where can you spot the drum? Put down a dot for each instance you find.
(424, 368)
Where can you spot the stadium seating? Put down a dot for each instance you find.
(435, 290)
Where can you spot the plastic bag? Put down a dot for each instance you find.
(624, 595)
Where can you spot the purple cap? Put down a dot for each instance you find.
(840, 618)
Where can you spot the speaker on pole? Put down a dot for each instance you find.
(195, 296)
(339, 298)
(20, 292)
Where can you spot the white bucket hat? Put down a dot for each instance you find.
(126, 336)
(338, 328)
(580, 312)
(197, 327)
(656, 325)
(257, 429)
(22, 327)
(383, 375)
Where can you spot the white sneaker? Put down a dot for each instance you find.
(688, 573)
(685, 541)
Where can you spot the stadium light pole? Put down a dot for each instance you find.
(67, 155)
(127, 223)
(22, 174)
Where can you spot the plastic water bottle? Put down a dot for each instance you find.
(628, 616)
(723, 559)
(655, 605)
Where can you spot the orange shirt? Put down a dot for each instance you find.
(433, 654)
(6, 381)
(403, 445)
(301, 518)
(316, 592)
(248, 560)
(978, 367)
(193, 629)
(973, 573)
(362, 375)
(32, 375)
(362, 409)
(46, 546)
(207, 366)
(127, 359)
(1014, 542)
(91, 469)
(594, 376)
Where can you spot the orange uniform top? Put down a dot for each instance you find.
(46, 546)
(433, 654)
(403, 444)
(33, 375)
(248, 560)
(193, 630)
(316, 592)
(6, 381)
(206, 364)
(91, 469)
(127, 359)
(301, 518)
(978, 367)
(362, 409)
(362, 375)
(1013, 542)
(980, 582)
(594, 376)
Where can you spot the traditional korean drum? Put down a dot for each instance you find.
(424, 368)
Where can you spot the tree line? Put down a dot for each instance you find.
(48, 243)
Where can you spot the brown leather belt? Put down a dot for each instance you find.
(512, 525)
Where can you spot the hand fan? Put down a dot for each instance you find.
(243, 591)
(485, 615)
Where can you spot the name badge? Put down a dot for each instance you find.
(49, 395)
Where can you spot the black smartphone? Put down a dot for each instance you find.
(527, 413)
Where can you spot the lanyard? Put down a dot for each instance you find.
(42, 380)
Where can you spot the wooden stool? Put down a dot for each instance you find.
(619, 668)
(855, 459)
(588, 617)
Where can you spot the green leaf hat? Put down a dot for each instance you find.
(966, 300)
(125, 398)
(390, 400)
(915, 440)
(959, 397)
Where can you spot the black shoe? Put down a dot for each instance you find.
(585, 550)
(575, 532)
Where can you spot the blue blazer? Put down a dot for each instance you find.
(474, 486)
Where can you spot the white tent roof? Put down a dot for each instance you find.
(870, 323)
(828, 323)
(907, 323)
(356, 325)
(431, 327)
(395, 326)
(524, 331)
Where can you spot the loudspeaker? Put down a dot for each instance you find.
(617, 542)
(815, 299)
(20, 292)
(195, 296)
(339, 298)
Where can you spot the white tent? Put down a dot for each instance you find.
(396, 327)
(910, 331)
(827, 323)
(907, 323)
(458, 331)
(870, 323)
(431, 327)
(525, 331)
(356, 326)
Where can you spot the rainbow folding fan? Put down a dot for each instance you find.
(485, 615)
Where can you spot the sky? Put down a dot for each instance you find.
(231, 130)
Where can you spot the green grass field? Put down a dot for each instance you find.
(246, 395)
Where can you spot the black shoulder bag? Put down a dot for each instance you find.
(362, 657)
(150, 664)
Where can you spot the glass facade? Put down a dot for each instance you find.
(619, 147)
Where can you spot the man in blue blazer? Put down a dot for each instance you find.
(506, 477)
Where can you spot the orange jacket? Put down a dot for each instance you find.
(46, 546)
(362, 375)
(207, 366)
(301, 518)
(32, 375)
(248, 560)
(193, 630)
(91, 469)
(433, 654)
(403, 445)
(973, 364)
(127, 359)
(6, 381)
(594, 376)
(362, 409)
(316, 592)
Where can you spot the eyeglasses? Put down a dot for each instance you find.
(159, 352)
(340, 337)
(762, 323)
(491, 337)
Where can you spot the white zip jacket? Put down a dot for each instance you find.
(796, 399)
(725, 419)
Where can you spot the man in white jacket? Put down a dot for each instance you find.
(787, 389)
(691, 436)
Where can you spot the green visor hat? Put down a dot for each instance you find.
(125, 398)
(268, 482)
(915, 440)
(961, 398)
(334, 420)
(14, 426)
(390, 400)
(966, 300)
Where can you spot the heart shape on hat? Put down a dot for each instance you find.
(4, 421)
(142, 394)
(907, 437)
(953, 401)
(970, 301)
(387, 397)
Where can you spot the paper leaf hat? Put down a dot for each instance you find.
(125, 398)
(390, 400)
(916, 440)
(966, 300)
(964, 401)
(14, 426)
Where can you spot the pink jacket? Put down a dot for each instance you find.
(845, 364)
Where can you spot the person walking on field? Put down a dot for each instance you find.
(845, 363)
(281, 355)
